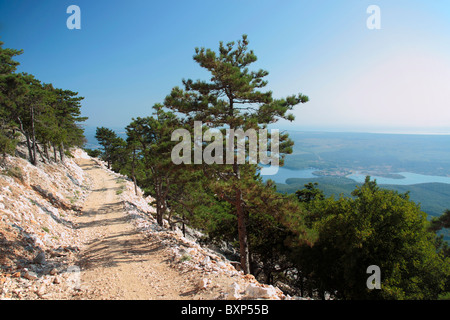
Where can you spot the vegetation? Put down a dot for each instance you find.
(305, 239)
(376, 227)
(432, 197)
(149, 140)
(232, 99)
(112, 146)
(311, 242)
(47, 117)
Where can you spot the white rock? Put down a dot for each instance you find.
(255, 291)
(233, 293)
(206, 261)
(81, 154)
(30, 275)
(192, 251)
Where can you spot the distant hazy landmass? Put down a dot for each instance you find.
(433, 198)
(376, 154)
(404, 162)
(338, 162)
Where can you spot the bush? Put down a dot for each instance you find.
(7, 144)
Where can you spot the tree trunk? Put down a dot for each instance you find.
(135, 184)
(61, 151)
(159, 213)
(46, 151)
(183, 225)
(40, 153)
(242, 226)
(54, 152)
(30, 154)
(33, 136)
(132, 171)
(242, 233)
(159, 206)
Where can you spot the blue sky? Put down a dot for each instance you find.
(128, 55)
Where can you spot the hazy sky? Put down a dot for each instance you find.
(129, 54)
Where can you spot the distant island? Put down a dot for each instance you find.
(383, 174)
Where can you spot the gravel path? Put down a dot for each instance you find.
(118, 262)
(97, 239)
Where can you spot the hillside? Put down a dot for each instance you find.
(433, 198)
(76, 230)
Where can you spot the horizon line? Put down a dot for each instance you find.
(319, 130)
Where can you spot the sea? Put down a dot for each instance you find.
(286, 173)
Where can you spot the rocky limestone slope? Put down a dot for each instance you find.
(40, 240)
(38, 237)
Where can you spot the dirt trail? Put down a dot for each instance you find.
(118, 262)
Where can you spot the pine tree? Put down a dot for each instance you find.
(152, 145)
(43, 114)
(108, 139)
(10, 89)
(68, 114)
(7, 64)
(31, 104)
(233, 99)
